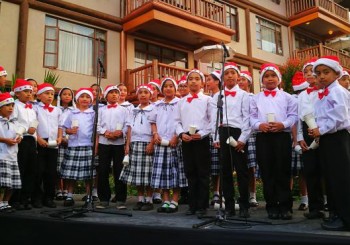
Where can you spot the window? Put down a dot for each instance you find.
(146, 52)
(268, 36)
(303, 42)
(72, 47)
(232, 21)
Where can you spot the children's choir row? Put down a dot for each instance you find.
(177, 142)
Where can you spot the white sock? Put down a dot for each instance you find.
(216, 195)
(6, 203)
(1, 204)
(324, 199)
(305, 199)
(174, 203)
(252, 195)
(94, 192)
(156, 195)
(166, 204)
(70, 194)
(141, 199)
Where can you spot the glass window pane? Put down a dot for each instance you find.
(153, 49)
(51, 33)
(50, 60)
(140, 46)
(49, 21)
(168, 52)
(50, 46)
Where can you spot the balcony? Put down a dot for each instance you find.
(192, 23)
(321, 50)
(323, 18)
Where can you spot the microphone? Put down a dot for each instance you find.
(101, 65)
(227, 54)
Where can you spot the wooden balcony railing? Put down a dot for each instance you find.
(297, 6)
(321, 50)
(154, 70)
(207, 9)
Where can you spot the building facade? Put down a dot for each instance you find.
(139, 40)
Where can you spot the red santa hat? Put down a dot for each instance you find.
(310, 62)
(44, 87)
(330, 61)
(21, 85)
(2, 71)
(182, 80)
(196, 71)
(168, 79)
(247, 75)
(298, 81)
(87, 91)
(217, 74)
(109, 88)
(156, 82)
(144, 86)
(270, 67)
(232, 65)
(5, 99)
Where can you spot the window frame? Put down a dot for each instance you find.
(234, 37)
(277, 34)
(97, 52)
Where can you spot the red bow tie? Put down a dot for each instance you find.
(268, 92)
(47, 107)
(28, 105)
(189, 99)
(312, 89)
(233, 93)
(112, 106)
(322, 94)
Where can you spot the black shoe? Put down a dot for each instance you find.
(273, 215)
(183, 200)
(303, 207)
(27, 206)
(287, 215)
(138, 206)
(37, 204)
(315, 214)
(325, 207)
(230, 213)
(17, 206)
(50, 203)
(147, 206)
(68, 202)
(114, 199)
(157, 200)
(244, 213)
(336, 224)
(190, 211)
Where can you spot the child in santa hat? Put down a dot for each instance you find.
(3, 75)
(78, 125)
(155, 85)
(27, 152)
(273, 113)
(111, 129)
(182, 87)
(344, 79)
(333, 120)
(49, 137)
(140, 146)
(10, 178)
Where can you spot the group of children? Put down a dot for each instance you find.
(164, 145)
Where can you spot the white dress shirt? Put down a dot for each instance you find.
(332, 111)
(235, 112)
(24, 116)
(48, 121)
(283, 105)
(8, 130)
(108, 119)
(140, 124)
(164, 116)
(197, 113)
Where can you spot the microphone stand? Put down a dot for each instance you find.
(89, 204)
(220, 218)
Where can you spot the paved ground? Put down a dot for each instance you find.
(257, 222)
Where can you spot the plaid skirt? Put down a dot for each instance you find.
(76, 164)
(252, 151)
(139, 170)
(60, 157)
(297, 163)
(9, 175)
(168, 169)
(215, 158)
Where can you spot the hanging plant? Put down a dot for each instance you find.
(288, 70)
(51, 77)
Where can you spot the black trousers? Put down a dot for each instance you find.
(107, 154)
(335, 160)
(231, 160)
(47, 172)
(196, 156)
(274, 156)
(28, 168)
(313, 174)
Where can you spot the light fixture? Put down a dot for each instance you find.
(330, 32)
(307, 23)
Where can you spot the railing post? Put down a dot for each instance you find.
(333, 7)
(321, 49)
(154, 74)
(317, 4)
(128, 80)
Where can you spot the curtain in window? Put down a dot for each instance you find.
(268, 39)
